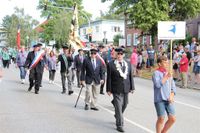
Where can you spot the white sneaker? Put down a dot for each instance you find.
(22, 81)
(50, 81)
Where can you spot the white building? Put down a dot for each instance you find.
(102, 29)
(3, 37)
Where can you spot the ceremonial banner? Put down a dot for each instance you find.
(74, 39)
(102, 60)
(171, 30)
(18, 37)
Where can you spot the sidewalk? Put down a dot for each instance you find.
(148, 75)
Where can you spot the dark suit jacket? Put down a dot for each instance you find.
(77, 62)
(88, 74)
(39, 68)
(62, 66)
(115, 83)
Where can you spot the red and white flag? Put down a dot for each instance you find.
(18, 37)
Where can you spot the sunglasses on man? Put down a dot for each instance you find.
(120, 53)
(93, 53)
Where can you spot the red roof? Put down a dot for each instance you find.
(39, 27)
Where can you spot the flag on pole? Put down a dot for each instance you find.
(74, 39)
(37, 58)
(102, 60)
(18, 37)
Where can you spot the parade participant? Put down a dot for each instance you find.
(164, 95)
(78, 62)
(20, 61)
(92, 75)
(102, 53)
(51, 63)
(5, 57)
(65, 59)
(119, 83)
(36, 70)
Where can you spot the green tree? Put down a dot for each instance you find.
(26, 22)
(146, 13)
(116, 39)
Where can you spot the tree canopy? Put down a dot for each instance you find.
(26, 22)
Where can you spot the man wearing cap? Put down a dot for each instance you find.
(119, 84)
(92, 75)
(65, 59)
(35, 72)
(78, 62)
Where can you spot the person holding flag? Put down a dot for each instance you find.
(34, 64)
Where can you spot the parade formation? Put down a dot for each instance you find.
(115, 71)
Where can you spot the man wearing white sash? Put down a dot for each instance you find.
(119, 83)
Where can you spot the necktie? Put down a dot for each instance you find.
(93, 64)
(122, 67)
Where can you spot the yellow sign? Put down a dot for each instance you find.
(89, 30)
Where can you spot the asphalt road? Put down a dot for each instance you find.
(52, 112)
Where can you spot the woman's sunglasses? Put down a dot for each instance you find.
(120, 53)
(93, 53)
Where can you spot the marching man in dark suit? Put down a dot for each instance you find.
(78, 62)
(35, 74)
(119, 84)
(92, 75)
(66, 60)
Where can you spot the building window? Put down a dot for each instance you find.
(115, 29)
(144, 40)
(129, 40)
(84, 31)
(97, 29)
(135, 37)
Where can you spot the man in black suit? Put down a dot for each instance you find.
(78, 62)
(35, 74)
(119, 83)
(92, 75)
(66, 60)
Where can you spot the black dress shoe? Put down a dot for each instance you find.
(29, 89)
(36, 92)
(86, 107)
(94, 108)
(102, 93)
(120, 129)
(63, 92)
(70, 92)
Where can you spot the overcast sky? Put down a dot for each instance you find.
(6, 7)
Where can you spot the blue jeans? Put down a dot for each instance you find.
(164, 107)
(22, 72)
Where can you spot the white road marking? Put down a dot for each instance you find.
(111, 112)
(188, 105)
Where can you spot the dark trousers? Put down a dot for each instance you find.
(120, 102)
(35, 79)
(78, 75)
(6, 63)
(52, 74)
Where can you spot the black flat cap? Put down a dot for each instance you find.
(119, 50)
(101, 46)
(39, 44)
(93, 50)
(65, 47)
(80, 50)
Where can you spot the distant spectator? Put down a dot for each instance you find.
(196, 68)
(151, 57)
(192, 46)
(134, 61)
(184, 63)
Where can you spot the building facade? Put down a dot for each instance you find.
(193, 27)
(102, 30)
(3, 37)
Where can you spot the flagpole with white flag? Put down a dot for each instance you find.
(171, 30)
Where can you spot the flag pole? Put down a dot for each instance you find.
(171, 64)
